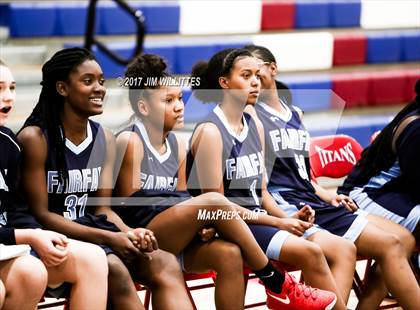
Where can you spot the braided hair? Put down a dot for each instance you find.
(379, 155)
(47, 112)
(209, 72)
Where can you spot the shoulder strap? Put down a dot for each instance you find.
(400, 128)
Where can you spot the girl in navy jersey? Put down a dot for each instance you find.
(68, 160)
(60, 260)
(153, 166)
(287, 145)
(385, 181)
(232, 141)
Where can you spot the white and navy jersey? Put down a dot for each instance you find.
(159, 172)
(84, 165)
(401, 177)
(242, 161)
(286, 149)
(9, 162)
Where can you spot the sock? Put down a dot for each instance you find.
(271, 277)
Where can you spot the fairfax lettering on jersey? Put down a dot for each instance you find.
(244, 166)
(155, 182)
(290, 138)
(80, 181)
(3, 184)
(344, 154)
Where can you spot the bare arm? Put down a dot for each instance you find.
(130, 152)
(34, 156)
(207, 148)
(182, 159)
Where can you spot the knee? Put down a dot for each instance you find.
(347, 249)
(30, 275)
(117, 269)
(228, 259)
(312, 255)
(214, 199)
(408, 241)
(90, 259)
(392, 245)
(163, 270)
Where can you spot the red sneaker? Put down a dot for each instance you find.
(298, 296)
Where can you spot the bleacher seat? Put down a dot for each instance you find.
(159, 17)
(387, 87)
(384, 14)
(114, 20)
(32, 20)
(353, 88)
(299, 51)
(312, 14)
(310, 93)
(71, 19)
(215, 17)
(349, 49)
(383, 47)
(359, 127)
(411, 46)
(345, 13)
(187, 55)
(277, 15)
(4, 14)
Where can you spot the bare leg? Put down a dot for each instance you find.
(183, 218)
(121, 290)
(309, 257)
(23, 274)
(225, 258)
(390, 253)
(86, 269)
(2, 294)
(375, 289)
(341, 256)
(164, 277)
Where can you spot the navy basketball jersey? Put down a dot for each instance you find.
(84, 165)
(242, 161)
(159, 172)
(286, 149)
(402, 175)
(9, 161)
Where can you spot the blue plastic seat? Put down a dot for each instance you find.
(312, 14)
(383, 47)
(32, 20)
(345, 13)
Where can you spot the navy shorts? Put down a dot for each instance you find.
(270, 239)
(150, 204)
(100, 222)
(401, 208)
(337, 220)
